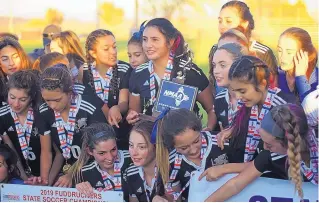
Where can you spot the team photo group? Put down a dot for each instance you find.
(74, 116)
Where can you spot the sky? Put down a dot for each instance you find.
(84, 10)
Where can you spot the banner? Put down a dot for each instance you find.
(29, 193)
(261, 190)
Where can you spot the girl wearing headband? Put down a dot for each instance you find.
(249, 79)
(181, 148)
(135, 50)
(65, 112)
(169, 58)
(284, 131)
(101, 165)
(109, 79)
(141, 176)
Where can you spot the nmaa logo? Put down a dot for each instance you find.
(179, 96)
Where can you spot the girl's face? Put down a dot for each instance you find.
(105, 51)
(54, 47)
(246, 92)
(105, 154)
(228, 18)
(136, 55)
(56, 99)
(287, 49)
(154, 44)
(271, 143)
(188, 143)
(19, 100)
(142, 152)
(10, 61)
(221, 64)
(3, 170)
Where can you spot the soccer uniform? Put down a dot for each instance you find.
(8, 127)
(141, 79)
(88, 112)
(238, 151)
(100, 179)
(181, 168)
(122, 73)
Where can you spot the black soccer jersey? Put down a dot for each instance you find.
(137, 186)
(140, 81)
(8, 127)
(182, 171)
(89, 111)
(91, 173)
(122, 72)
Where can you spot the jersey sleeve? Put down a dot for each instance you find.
(45, 120)
(133, 84)
(98, 115)
(124, 84)
(196, 77)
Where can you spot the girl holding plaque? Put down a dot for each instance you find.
(142, 175)
(249, 80)
(64, 113)
(181, 148)
(109, 79)
(287, 139)
(101, 165)
(169, 58)
(19, 119)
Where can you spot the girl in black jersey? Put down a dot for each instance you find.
(135, 51)
(9, 172)
(284, 131)
(101, 165)
(225, 104)
(181, 148)
(109, 79)
(170, 58)
(19, 119)
(64, 114)
(141, 176)
(249, 78)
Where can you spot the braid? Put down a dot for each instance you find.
(289, 123)
(114, 86)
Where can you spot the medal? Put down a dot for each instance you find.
(102, 90)
(28, 170)
(66, 167)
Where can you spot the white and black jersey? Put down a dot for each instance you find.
(265, 53)
(222, 109)
(140, 81)
(238, 143)
(89, 112)
(136, 185)
(91, 173)
(121, 74)
(213, 156)
(8, 127)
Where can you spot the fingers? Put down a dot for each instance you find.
(115, 122)
(202, 175)
(57, 183)
(132, 117)
(219, 139)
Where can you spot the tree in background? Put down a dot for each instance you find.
(110, 14)
(54, 16)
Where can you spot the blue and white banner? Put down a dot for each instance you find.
(29, 193)
(261, 190)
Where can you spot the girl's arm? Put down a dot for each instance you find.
(235, 185)
(46, 157)
(56, 165)
(205, 98)
(123, 103)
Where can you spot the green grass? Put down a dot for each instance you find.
(29, 46)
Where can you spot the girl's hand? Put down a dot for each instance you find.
(64, 181)
(132, 117)
(114, 116)
(85, 188)
(301, 63)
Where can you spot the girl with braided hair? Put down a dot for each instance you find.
(65, 112)
(109, 78)
(284, 131)
(170, 58)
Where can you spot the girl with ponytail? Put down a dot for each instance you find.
(286, 140)
(109, 79)
(135, 50)
(101, 165)
(181, 148)
(169, 57)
